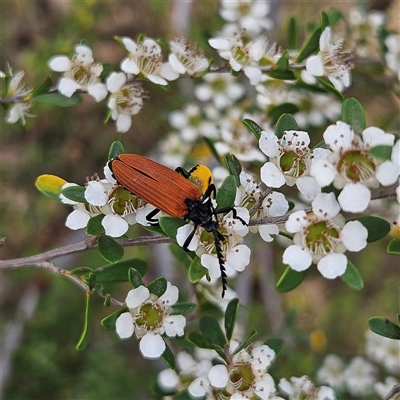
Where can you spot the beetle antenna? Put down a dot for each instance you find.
(217, 241)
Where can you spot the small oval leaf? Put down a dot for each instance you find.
(116, 149)
(394, 246)
(286, 122)
(196, 270)
(183, 308)
(94, 226)
(311, 45)
(353, 114)
(58, 100)
(118, 272)
(135, 278)
(253, 127)
(211, 328)
(381, 152)
(234, 167)
(50, 185)
(158, 286)
(110, 249)
(170, 225)
(168, 357)
(231, 312)
(352, 277)
(227, 193)
(384, 327)
(276, 344)
(109, 321)
(290, 279)
(75, 193)
(377, 227)
(244, 343)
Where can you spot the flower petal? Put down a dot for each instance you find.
(171, 295)
(332, 265)
(354, 235)
(129, 66)
(152, 345)
(98, 91)
(297, 257)
(67, 87)
(136, 297)
(59, 63)
(114, 225)
(174, 325)
(354, 198)
(238, 257)
(272, 176)
(124, 325)
(95, 194)
(218, 376)
(78, 219)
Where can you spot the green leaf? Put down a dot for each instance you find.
(94, 226)
(384, 327)
(283, 63)
(158, 286)
(227, 193)
(154, 229)
(335, 16)
(394, 246)
(110, 249)
(135, 278)
(377, 227)
(87, 327)
(283, 75)
(292, 33)
(211, 328)
(290, 279)
(75, 193)
(234, 167)
(58, 100)
(183, 395)
(253, 127)
(118, 272)
(231, 312)
(43, 88)
(311, 45)
(353, 114)
(116, 149)
(50, 185)
(168, 357)
(398, 319)
(107, 69)
(382, 152)
(170, 225)
(244, 343)
(330, 88)
(181, 255)
(352, 277)
(183, 308)
(109, 321)
(324, 20)
(276, 344)
(201, 340)
(91, 280)
(80, 270)
(275, 112)
(286, 122)
(212, 148)
(196, 270)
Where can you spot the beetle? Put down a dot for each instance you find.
(174, 193)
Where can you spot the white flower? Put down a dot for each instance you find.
(360, 376)
(351, 167)
(192, 124)
(21, 105)
(250, 15)
(145, 59)
(331, 61)
(303, 388)
(125, 100)
(246, 54)
(331, 372)
(290, 160)
(185, 58)
(243, 377)
(220, 88)
(149, 317)
(392, 56)
(322, 236)
(273, 205)
(80, 73)
(383, 388)
(384, 351)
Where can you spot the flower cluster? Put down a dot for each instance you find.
(150, 317)
(244, 376)
(297, 388)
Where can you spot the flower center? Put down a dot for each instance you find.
(123, 201)
(292, 163)
(356, 165)
(241, 376)
(322, 237)
(150, 316)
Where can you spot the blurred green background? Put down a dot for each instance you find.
(73, 143)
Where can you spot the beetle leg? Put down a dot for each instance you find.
(150, 217)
